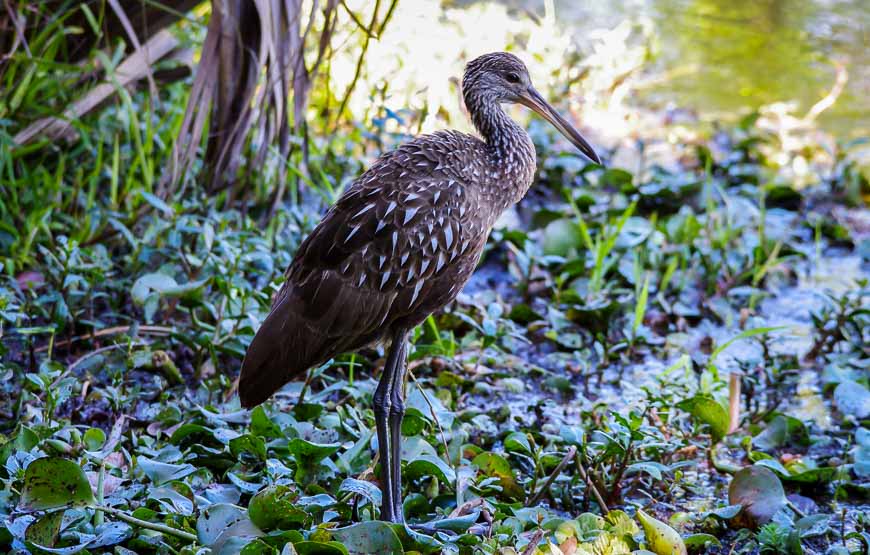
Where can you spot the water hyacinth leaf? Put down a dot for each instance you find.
(852, 399)
(213, 520)
(308, 457)
(421, 400)
(93, 439)
(518, 442)
(494, 465)
(235, 536)
(560, 237)
(153, 282)
(697, 542)
(365, 489)
(110, 533)
(413, 423)
(307, 411)
(806, 471)
(652, 468)
(616, 177)
(276, 507)
(459, 524)
(319, 502)
(249, 446)
(430, 465)
(413, 541)
(161, 472)
(256, 547)
(174, 497)
(813, 525)
(188, 434)
(320, 548)
(709, 411)
(264, 426)
(369, 537)
(662, 539)
(781, 431)
(759, 493)
(311, 453)
(774, 465)
(45, 530)
(54, 482)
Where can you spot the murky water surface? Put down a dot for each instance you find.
(719, 57)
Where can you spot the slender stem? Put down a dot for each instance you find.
(794, 508)
(98, 514)
(552, 477)
(590, 485)
(721, 466)
(121, 515)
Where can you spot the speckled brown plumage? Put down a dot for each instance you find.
(403, 239)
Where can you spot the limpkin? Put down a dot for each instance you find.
(400, 243)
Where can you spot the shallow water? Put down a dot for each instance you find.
(726, 56)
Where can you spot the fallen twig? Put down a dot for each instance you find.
(533, 542)
(147, 330)
(136, 66)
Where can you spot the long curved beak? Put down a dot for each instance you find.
(533, 99)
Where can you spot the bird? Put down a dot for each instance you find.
(399, 244)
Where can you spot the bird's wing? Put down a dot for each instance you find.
(386, 251)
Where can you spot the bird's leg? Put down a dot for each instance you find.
(397, 412)
(382, 407)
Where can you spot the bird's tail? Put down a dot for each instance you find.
(283, 349)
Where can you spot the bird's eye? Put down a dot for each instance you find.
(512, 77)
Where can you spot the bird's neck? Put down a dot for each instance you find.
(511, 148)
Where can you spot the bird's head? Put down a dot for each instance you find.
(501, 77)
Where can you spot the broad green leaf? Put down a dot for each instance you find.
(161, 472)
(248, 445)
(708, 410)
(308, 452)
(661, 538)
(759, 492)
(320, 548)
(699, 542)
(781, 431)
(54, 482)
(459, 524)
(430, 465)
(276, 507)
(496, 466)
(45, 530)
(262, 425)
(560, 237)
(367, 490)
(256, 547)
(654, 469)
(214, 519)
(369, 537)
(519, 442)
(94, 438)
